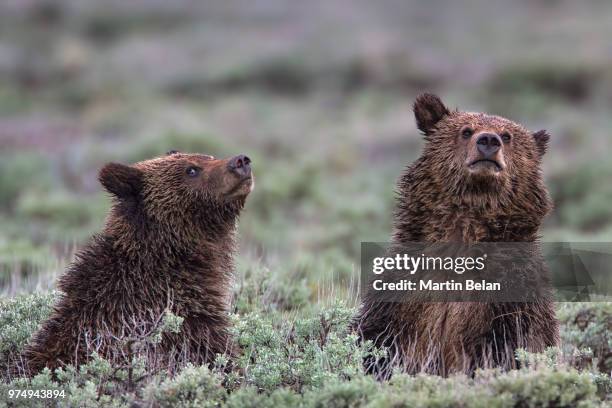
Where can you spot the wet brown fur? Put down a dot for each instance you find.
(439, 200)
(167, 243)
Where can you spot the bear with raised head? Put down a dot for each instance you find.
(167, 245)
(478, 180)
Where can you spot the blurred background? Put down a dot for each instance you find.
(317, 93)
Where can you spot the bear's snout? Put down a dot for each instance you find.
(488, 144)
(241, 165)
(486, 153)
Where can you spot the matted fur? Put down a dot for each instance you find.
(167, 244)
(439, 200)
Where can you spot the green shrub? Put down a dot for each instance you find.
(309, 359)
(303, 354)
(193, 387)
(546, 387)
(42, 381)
(19, 318)
(588, 326)
(259, 290)
(96, 383)
(339, 394)
(249, 397)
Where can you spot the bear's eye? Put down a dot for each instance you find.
(193, 171)
(467, 132)
(506, 137)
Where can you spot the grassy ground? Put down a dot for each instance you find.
(319, 96)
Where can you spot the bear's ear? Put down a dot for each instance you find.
(428, 110)
(123, 181)
(541, 138)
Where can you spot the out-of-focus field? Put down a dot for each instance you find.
(317, 93)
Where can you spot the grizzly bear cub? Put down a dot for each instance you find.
(167, 245)
(477, 180)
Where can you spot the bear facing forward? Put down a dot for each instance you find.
(167, 244)
(478, 180)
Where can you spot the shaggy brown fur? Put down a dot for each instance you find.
(450, 195)
(167, 243)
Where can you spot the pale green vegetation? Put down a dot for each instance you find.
(319, 95)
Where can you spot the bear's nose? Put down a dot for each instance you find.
(240, 165)
(488, 144)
